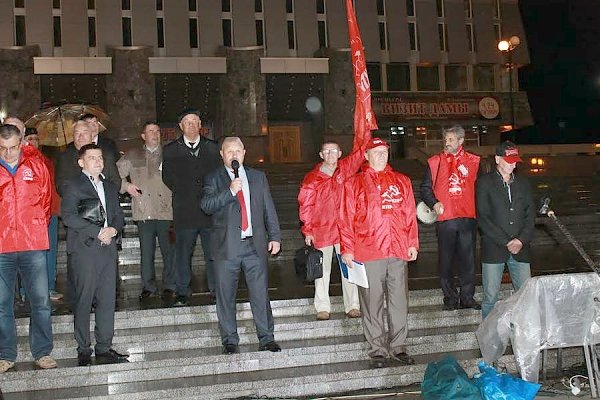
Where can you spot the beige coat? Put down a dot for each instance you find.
(142, 168)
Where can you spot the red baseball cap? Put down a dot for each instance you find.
(509, 152)
(376, 142)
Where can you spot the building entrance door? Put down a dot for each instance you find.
(284, 144)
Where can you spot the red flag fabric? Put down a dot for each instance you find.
(364, 118)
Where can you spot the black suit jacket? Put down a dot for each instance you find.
(500, 221)
(82, 235)
(184, 174)
(109, 146)
(224, 208)
(68, 168)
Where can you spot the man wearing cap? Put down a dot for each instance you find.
(319, 200)
(448, 187)
(378, 226)
(506, 218)
(186, 161)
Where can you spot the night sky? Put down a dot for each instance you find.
(563, 79)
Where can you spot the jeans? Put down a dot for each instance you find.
(185, 241)
(31, 265)
(492, 279)
(51, 253)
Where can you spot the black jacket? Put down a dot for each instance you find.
(500, 221)
(184, 174)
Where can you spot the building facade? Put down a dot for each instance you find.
(275, 71)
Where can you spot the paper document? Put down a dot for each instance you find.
(357, 274)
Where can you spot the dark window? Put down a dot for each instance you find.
(57, 36)
(56, 4)
(483, 77)
(91, 4)
(380, 7)
(382, 36)
(443, 36)
(428, 78)
(126, 22)
(92, 31)
(496, 7)
(291, 35)
(374, 72)
(410, 8)
(19, 3)
(193, 33)
(470, 37)
(322, 27)
(192, 6)
(289, 6)
(159, 5)
(226, 5)
(258, 6)
(320, 6)
(260, 38)
(456, 78)
(412, 35)
(468, 9)
(227, 33)
(160, 33)
(20, 36)
(125, 5)
(498, 32)
(441, 12)
(398, 77)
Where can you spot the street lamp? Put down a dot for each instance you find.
(507, 47)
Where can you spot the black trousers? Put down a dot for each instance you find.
(456, 243)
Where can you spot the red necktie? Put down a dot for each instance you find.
(240, 196)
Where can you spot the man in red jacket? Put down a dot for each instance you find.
(24, 214)
(378, 227)
(319, 200)
(449, 188)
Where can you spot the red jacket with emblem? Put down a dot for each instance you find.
(455, 190)
(320, 194)
(25, 204)
(378, 215)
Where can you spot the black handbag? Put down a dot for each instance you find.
(308, 262)
(92, 210)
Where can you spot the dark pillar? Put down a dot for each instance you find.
(20, 87)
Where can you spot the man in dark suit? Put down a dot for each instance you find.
(93, 256)
(108, 146)
(506, 218)
(185, 163)
(245, 230)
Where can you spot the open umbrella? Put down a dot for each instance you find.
(55, 123)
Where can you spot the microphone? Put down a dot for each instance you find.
(545, 206)
(235, 164)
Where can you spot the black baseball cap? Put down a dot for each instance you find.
(188, 111)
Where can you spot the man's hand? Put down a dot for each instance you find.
(274, 247)
(235, 186)
(106, 234)
(514, 246)
(438, 208)
(348, 259)
(309, 240)
(133, 190)
(412, 253)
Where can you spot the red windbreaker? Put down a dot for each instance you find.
(320, 194)
(378, 215)
(25, 204)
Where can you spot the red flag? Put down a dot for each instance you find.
(364, 118)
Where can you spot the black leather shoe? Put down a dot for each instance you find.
(471, 304)
(168, 293)
(146, 293)
(404, 359)
(450, 306)
(181, 301)
(271, 346)
(111, 357)
(378, 362)
(230, 349)
(84, 360)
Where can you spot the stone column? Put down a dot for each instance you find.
(243, 100)
(339, 96)
(131, 92)
(20, 87)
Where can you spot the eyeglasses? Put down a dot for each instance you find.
(11, 149)
(330, 151)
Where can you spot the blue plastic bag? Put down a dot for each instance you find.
(446, 380)
(497, 386)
